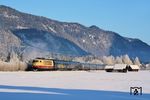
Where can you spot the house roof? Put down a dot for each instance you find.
(120, 66)
(134, 66)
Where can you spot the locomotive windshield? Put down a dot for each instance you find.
(35, 61)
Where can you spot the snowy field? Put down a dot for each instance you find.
(73, 85)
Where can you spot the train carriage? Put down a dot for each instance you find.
(53, 64)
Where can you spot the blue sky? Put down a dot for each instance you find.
(129, 18)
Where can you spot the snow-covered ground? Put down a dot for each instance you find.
(73, 85)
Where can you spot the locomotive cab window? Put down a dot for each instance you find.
(34, 61)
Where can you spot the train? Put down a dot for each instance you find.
(53, 64)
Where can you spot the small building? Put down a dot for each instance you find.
(117, 68)
(133, 67)
(109, 68)
(120, 67)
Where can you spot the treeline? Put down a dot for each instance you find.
(109, 60)
(15, 62)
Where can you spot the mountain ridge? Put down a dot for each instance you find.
(90, 40)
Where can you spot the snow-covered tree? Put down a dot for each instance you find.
(110, 60)
(126, 60)
(118, 60)
(14, 57)
(137, 61)
(96, 61)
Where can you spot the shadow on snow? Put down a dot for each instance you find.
(39, 93)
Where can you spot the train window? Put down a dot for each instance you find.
(48, 62)
(35, 61)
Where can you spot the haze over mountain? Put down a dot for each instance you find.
(20, 31)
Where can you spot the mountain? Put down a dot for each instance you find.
(48, 42)
(20, 30)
